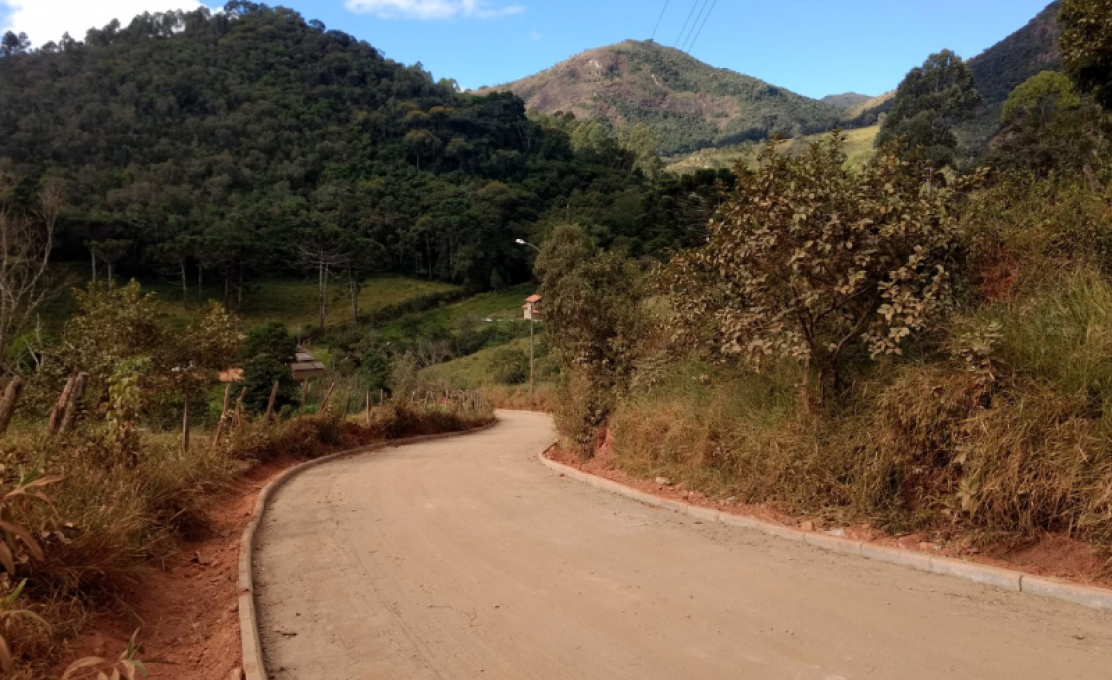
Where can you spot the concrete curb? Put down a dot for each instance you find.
(253, 665)
(1005, 579)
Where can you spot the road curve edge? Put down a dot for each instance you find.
(996, 577)
(254, 667)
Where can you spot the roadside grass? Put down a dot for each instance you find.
(115, 513)
(996, 451)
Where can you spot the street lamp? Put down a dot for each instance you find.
(523, 242)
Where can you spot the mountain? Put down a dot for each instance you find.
(847, 100)
(241, 142)
(1007, 64)
(688, 103)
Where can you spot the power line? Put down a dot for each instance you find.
(657, 28)
(700, 32)
(684, 29)
(691, 31)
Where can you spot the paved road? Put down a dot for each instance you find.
(466, 558)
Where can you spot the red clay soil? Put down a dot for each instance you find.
(187, 609)
(1051, 555)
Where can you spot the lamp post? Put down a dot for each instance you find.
(532, 313)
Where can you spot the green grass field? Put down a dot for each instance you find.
(291, 301)
(859, 149)
(502, 305)
(470, 372)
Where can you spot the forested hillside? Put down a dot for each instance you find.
(687, 103)
(1006, 65)
(226, 145)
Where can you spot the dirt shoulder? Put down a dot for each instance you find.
(1051, 555)
(186, 610)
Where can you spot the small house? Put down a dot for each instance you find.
(306, 366)
(532, 308)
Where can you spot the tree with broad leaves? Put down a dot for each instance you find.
(808, 259)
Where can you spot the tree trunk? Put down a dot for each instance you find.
(74, 403)
(93, 254)
(9, 402)
(60, 408)
(111, 275)
(200, 285)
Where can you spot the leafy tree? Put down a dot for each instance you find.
(809, 259)
(268, 350)
(12, 44)
(1086, 46)
(271, 338)
(931, 99)
(1042, 96)
(1048, 129)
(592, 307)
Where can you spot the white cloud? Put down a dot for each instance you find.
(46, 20)
(431, 9)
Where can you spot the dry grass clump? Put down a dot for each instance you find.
(518, 397)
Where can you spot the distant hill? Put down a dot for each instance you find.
(1006, 65)
(847, 100)
(690, 104)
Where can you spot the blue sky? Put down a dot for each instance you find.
(814, 47)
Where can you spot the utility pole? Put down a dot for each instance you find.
(532, 313)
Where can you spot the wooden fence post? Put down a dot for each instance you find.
(270, 404)
(327, 396)
(74, 402)
(347, 404)
(241, 414)
(368, 408)
(60, 408)
(8, 404)
(223, 416)
(304, 393)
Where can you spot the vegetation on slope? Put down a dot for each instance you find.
(1004, 66)
(688, 104)
(913, 349)
(228, 145)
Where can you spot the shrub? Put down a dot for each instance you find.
(809, 260)
(508, 366)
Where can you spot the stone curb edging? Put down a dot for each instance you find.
(1005, 579)
(253, 665)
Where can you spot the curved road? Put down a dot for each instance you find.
(466, 558)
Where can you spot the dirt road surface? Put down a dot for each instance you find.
(466, 558)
